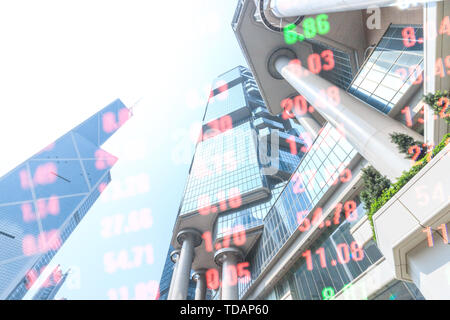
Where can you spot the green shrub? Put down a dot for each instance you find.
(374, 184)
(405, 142)
(389, 192)
(433, 100)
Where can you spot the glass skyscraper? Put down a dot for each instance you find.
(242, 162)
(285, 220)
(51, 285)
(44, 198)
(363, 83)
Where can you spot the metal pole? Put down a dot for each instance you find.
(294, 8)
(189, 239)
(229, 289)
(366, 128)
(175, 255)
(200, 288)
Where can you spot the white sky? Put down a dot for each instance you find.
(61, 61)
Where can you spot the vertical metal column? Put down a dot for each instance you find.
(293, 8)
(200, 289)
(228, 259)
(366, 128)
(189, 239)
(174, 256)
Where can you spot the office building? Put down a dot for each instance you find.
(366, 71)
(44, 198)
(241, 164)
(352, 75)
(51, 285)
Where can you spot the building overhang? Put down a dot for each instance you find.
(421, 203)
(204, 259)
(258, 43)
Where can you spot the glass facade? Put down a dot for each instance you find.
(341, 75)
(225, 102)
(51, 286)
(331, 259)
(400, 290)
(249, 217)
(227, 173)
(317, 172)
(44, 198)
(223, 166)
(391, 69)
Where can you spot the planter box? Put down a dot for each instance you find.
(423, 202)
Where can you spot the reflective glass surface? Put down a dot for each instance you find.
(247, 218)
(227, 77)
(317, 172)
(341, 75)
(47, 196)
(400, 290)
(228, 160)
(390, 70)
(225, 102)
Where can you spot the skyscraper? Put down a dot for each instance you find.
(166, 278)
(51, 285)
(365, 71)
(241, 163)
(44, 198)
(347, 79)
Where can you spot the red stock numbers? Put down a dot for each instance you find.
(52, 280)
(444, 113)
(344, 253)
(330, 96)
(234, 274)
(110, 122)
(306, 139)
(142, 291)
(125, 188)
(299, 104)
(119, 224)
(121, 260)
(44, 174)
(220, 162)
(221, 91)
(350, 210)
(301, 179)
(232, 201)
(410, 39)
(316, 63)
(104, 159)
(428, 231)
(414, 74)
(439, 69)
(216, 127)
(237, 234)
(45, 207)
(44, 242)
